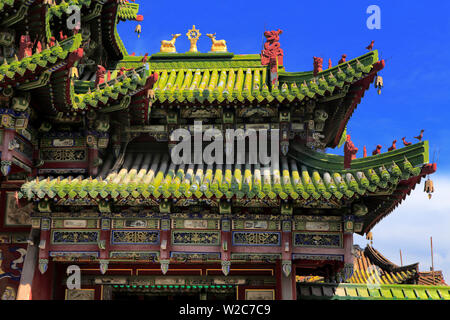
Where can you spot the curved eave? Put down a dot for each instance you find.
(417, 154)
(294, 179)
(129, 11)
(378, 259)
(113, 95)
(403, 190)
(29, 71)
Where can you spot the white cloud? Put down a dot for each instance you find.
(411, 225)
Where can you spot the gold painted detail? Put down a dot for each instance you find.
(168, 46)
(217, 45)
(193, 36)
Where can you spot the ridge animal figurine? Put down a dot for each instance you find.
(169, 46)
(349, 152)
(217, 45)
(406, 143)
(393, 147)
(343, 58)
(420, 136)
(318, 65)
(377, 150)
(100, 75)
(370, 46)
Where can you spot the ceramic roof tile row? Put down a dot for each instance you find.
(4, 3)
(431, 278)
(347, 291)
(250, 84)
(120, 86)
(366, 271)
(146, 174)
(128, 11)
(43, 59)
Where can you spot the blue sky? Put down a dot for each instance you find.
(414, 41)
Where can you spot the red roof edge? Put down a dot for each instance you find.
(377, 66)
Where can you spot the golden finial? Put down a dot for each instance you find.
(193, 36)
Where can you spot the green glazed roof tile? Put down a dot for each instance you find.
(44, 59)
(308, 177)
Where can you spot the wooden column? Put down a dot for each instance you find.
(93, 161)
(348, 245)
(347, 272)
(225, 248)
(29, 267)
(104, 244)
(43, 283)
(286, 275)
(165, 239)
(6, 155)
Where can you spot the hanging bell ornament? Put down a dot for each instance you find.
(74, 72)
(369, 236)
(138, 30)
(379, 83)
(429, 188)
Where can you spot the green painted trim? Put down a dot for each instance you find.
(373, 292)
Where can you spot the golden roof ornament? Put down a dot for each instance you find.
(169, 46)
(193, 36)
(217, 45)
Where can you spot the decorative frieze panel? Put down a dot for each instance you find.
(318, 223)
(80, 294)
(71, 256)
(13, 238)
(135, 255)
(195, 224)
(135, 223)
(209, 238)
(266, 257)
(63, 140)
(257, 203)
(21, 146)
(195, 256)
(75, 237)
(74, 224)
(318, 257)
(256, 225)
(135, 237)
(243, 238)
(212, 203)
(317, 226)
(312, 239)
(63, 155)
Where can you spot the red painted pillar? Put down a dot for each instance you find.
(165, 245)
(348, 245)
(6, 157)
(286, 281)
(225, 248)
(43, 283)
(278, 275)
(104, 243)
(43, 276)
(93, 157)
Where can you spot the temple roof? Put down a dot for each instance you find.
(430, 278)
(12, 72)
(371, 267)
(316, 175)
(310, 176)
